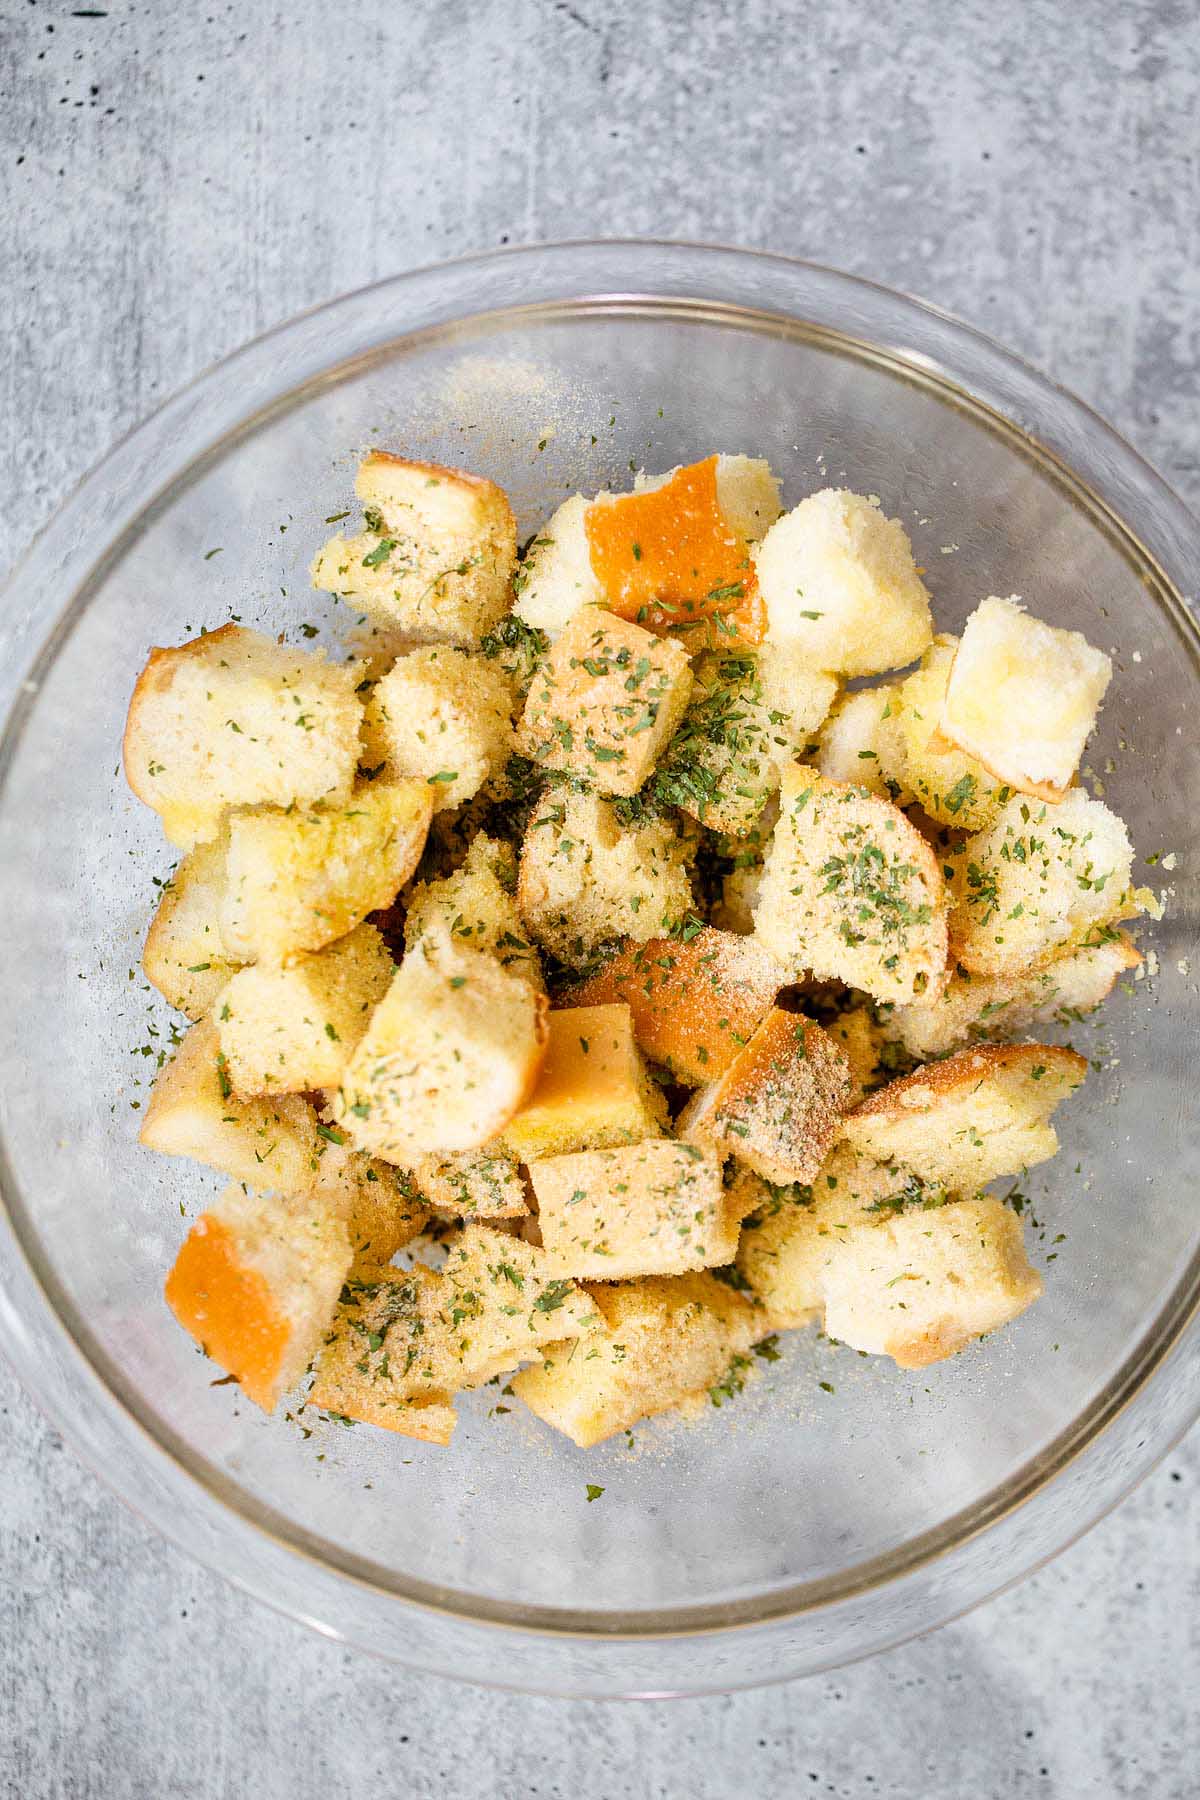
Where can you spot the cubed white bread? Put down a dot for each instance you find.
(556, 578)
(793, 1231)
(235, 719)
(980, 1114)
(381, 1206)
(694, 1003)
(585, 878)
(407, 1337)
(184, 955)
(605, 701)
(840, 584)
(476, 907)
(952, 788)
(922, 1285)
(1039, 881)
(292, 1030)
(444, 717)
(437, 556)
(473, 1184)
(593, 1089)
(778, 1106)
(256, 1283)
(297, 881)
(662, 1341)
(1022, 697)
(797, 696)
(973, 1008)
(851, 891)
(450, 1054)
(655, 1208)
(862, 741)
(722, 765)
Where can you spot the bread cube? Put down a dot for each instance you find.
(747, 494)
(406, 1338)
(585, 879)
(297, 881)
(797, 696)
(919, 1287)
(451, 1053)
(605, 702)
(1040, 880)
(979, 1114)
(593, 1090)
(867, 1049)
(952, 788)
(722, 765)
(517, 649)
(655, 1208)
(193, 1111)
(235, 719)
(184, 955)
(473, 1184)
(662, 1341)
(256, 1284)
(556, 577)
(794, 1231)
(851, 891)
(694, 1003)
(780, 1102)
(862, 741)
(437, 556)
(292, 1030)
(445, 718)
(839, 583)
(476, 907)
(380, 1205)
(972, 1008)
(1022, 697)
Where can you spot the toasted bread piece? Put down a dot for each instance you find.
(289, 1031)
(918, 1287)
(953, 789)
(473, 1184)
(605, 701)
(722, 765)
(840, 584)
(184, 956)
(670, 557)
(794, 1229)
(381, 1206)
(556, 577)
(476, 906)
(661, 1341)
(438, 553)
(451, 1053)
(1041, 880)
(979, 1114)
(655, 1208)
(1022, 697)
(593, 1089)
(778, 1105)
(974, 1008)
(862, 741)
(444, 717)
(404, 1338)
(584, 878)
(851, 891)
(797, 696)
(694, 1003)
(297, 881)
(235, 719)
(256, 1284)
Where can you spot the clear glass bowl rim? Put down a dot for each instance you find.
(934, 1577)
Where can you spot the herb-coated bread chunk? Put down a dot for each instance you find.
(592, 1090)
(952, 788)
(443, 716)
(654, 1208)
(723, 763)
(476, 906)
(184, 955)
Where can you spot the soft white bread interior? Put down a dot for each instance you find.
(184, 955)
(235, 719)
(300, 879)
(851, 891)
(840, 583)
(445, 717)
(437, 555)
(476, 906)
(952, 788)
(862, 741)
(654, 1208)
(1022, 697)
(556, 577)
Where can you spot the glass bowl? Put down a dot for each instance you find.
(838, 1505)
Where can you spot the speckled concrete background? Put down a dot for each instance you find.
(174, 178)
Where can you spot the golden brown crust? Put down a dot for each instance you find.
(155, 678)
(481, 483)
(921, 1090)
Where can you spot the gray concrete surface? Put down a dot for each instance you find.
(173, 178)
